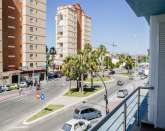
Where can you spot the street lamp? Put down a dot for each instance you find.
(105, 95)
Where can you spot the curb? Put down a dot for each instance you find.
(99, 82)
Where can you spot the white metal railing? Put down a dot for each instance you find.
(128, 113)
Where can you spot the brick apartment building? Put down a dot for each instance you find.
(22, 39)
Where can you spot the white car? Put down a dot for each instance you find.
(76, 125)
(23, 84)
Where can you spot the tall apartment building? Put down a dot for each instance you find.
(22, 38)
(73, 30)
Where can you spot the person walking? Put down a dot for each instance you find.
(20, 91)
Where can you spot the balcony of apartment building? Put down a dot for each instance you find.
(144, 108)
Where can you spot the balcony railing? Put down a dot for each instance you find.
(127, 114)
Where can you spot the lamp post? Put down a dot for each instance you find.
(105, 95)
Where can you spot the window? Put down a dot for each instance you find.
(36, 46)
(36, 64)
(31, 19)
(31, 29)
(31, 38)
(31, 10)
(36, 55)
(31, 47)
(31, 64)
(31, 55)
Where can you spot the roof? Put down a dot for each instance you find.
(147, 8)
(83, 107)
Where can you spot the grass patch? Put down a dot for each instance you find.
(97, 79)
(125, 74)
(50, 108)
(87, 91)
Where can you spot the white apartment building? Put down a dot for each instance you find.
(66, 32)
(86, 29)
(73, 30)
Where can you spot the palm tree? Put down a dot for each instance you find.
(91, 60)
(130, 63)
(108, 62)
(68, 68)
(102, 52)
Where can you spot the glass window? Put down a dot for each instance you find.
(67, 127)
(31, 29)
(31, 55)
(31, 64)
(81, 123)
(31, 47)
(76, 111)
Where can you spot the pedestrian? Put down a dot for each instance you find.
(20, 91)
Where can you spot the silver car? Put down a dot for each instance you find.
(122, 93)
(87, 113)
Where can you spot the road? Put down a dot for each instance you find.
(16, 108)
(56, 121)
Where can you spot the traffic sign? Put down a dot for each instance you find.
(42, 96)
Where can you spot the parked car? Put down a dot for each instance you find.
(1, 90)
(51, 75)
(23, 84)
(5, 87)
(59, 74)
(87, 113)
(122, 93)
(112, 72)
(13, 86)
(120, 83)
(76, 125)
(29, 83)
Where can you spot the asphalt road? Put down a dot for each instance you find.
(16, 108)
(56, 121)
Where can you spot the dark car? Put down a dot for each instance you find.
(29, 83)
(51, 75)
(112, 72)
(122, 93)
(86, 113)
(1, 90)
(59, 74)
(120, 83)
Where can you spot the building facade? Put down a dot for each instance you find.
(73, 30)
(22, 38)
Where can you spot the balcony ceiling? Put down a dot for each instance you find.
(147, 8)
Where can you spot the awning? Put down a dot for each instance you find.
(147, 8)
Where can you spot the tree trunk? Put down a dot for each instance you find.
(70, 86)
(82, 88)
(77, 85)
(91, 79)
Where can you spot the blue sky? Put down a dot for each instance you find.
(112, 20)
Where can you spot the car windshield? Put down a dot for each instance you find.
(67, 127)
(76, 111)
(120, 90)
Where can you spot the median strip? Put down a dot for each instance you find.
(86, 92)
(47, 110)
